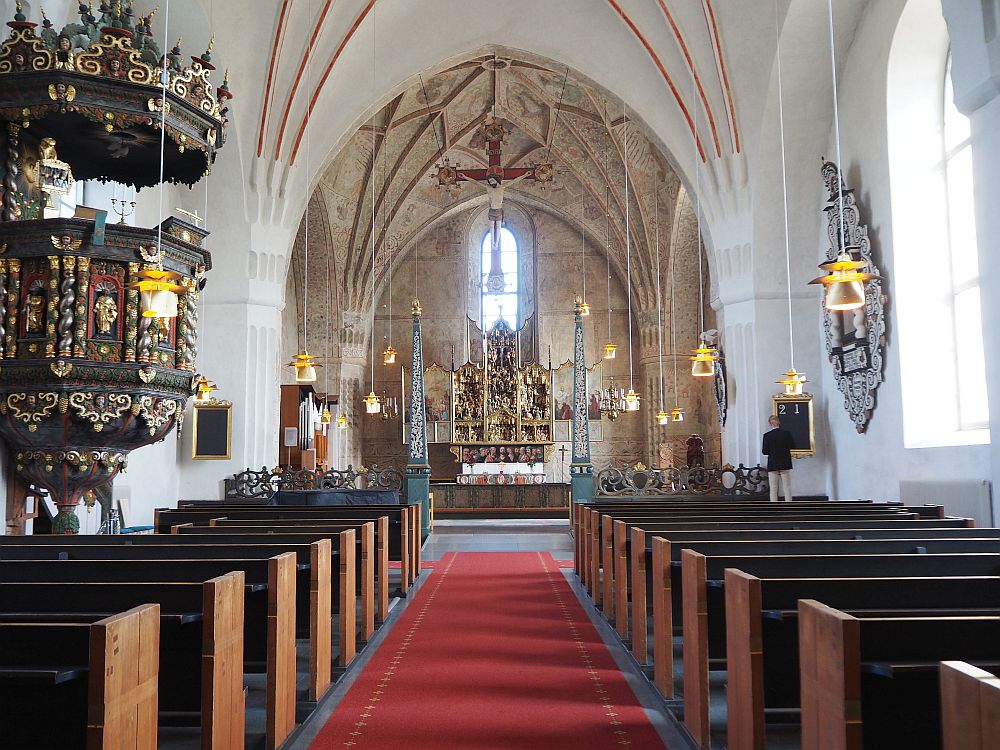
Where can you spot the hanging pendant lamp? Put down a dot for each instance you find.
(304, 363)
(705, 357)
(609, 348)
(204, 389)
(662, 417)
(158, 287)
(845, 281)
(631, 398)
(584, 307)
(677, 414)
(792, 379)
(373, 403)
(703, 361)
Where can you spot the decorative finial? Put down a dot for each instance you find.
(177, 46)
(415, 308)
(19, 15)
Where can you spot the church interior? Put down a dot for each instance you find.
(563, 374)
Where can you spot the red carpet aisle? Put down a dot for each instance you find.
(494, 652)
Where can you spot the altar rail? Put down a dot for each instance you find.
(638, 480)
(261, 485)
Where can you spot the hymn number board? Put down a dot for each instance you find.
(796, 415)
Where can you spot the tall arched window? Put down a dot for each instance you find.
(935, 269)
(956, 170)
(500, 293)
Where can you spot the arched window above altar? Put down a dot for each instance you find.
(500, 281)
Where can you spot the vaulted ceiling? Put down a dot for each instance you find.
(550, 113)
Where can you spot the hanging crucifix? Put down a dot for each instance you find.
(495, 179)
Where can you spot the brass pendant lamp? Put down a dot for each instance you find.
(304, 363)
(792, 379)
(373, 403)
(844, 281)
(631, 397)
(609, 348)
(705, 357)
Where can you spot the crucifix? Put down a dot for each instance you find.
(491, 179)
(562, 455)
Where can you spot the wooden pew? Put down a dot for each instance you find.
(252, 535)
(365, 555)
(874, 682)
(970, 707)
(632, 585)
(703, 606)
(762, 635)
(612, 555)
(371, 555)
(601, 544)
(314, 594)
(592, 525)
(639, 552)
(204, 673)
(268, 636)
(100, 677)
(404, 524)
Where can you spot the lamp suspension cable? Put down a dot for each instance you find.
(836, 125)
(659, 294)
(583, 254)
(631, 398)
(673, 327)
(164, 78)
(784, 189)
(372, 180)
(628, 240)
(609, 347)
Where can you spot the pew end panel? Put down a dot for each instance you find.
(608, 567)
(663, 619)
(281, 606)
(970, 707)
(620, 584)
(640, 624)
(366, 570)
(122, 691)
(383, 568)
(695, 625)
(829, 658)
(223, 713)
(346, 605)
(744, 662)
(320, 613)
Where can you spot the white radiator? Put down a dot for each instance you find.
(969, 498)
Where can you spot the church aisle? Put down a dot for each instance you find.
(494, 652)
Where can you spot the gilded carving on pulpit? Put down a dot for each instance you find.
(105, 313)
(34, 309)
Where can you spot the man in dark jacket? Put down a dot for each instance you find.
(778, 446)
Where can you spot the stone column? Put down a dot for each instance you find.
(581, 470)
(418, 469)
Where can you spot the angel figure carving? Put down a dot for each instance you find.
(65, 243)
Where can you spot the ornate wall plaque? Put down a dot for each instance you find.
(855, 339)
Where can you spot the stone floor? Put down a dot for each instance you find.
(515, 535)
